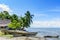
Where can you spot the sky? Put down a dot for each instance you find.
(46, 12)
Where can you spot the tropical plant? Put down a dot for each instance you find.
(14, 25)
(14, 17)
(22, 22)
(6, 14)
(28, 18)
(2, 16)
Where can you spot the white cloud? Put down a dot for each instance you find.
(45, 24)
(4, 7)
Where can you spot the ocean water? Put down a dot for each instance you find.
(46, 31)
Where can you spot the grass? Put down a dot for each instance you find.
(3, 35)
(8, 36)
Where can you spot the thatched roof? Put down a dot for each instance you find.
(4, 22)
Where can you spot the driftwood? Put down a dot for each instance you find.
(19, 33)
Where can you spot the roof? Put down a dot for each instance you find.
(4, 22)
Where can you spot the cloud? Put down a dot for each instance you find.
(4, 7)
(45, 24)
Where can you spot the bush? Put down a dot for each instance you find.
(8, 36)
(1, 33)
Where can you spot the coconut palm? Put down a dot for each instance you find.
(28, 18)
(14, 17)
(22, 21)
(7, 15)
(2, 16)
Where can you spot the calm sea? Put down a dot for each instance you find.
(46, 31)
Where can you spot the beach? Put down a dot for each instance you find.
(40, 36)
(22, 38)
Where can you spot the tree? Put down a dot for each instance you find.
(2, 16)
(14, 25)
(28, 18)
(23, 23)
(14, 17)
(6, 14)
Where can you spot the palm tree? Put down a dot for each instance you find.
(14, 17)
(2, 16)
(7, 15)
(28, 18)
(22, 21)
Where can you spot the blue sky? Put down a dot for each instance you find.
(46, 12)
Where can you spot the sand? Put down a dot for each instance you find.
(22, 38)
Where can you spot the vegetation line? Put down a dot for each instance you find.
(17, 22)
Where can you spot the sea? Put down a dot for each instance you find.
(46, 31)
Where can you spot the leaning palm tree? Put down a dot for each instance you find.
(28, 18)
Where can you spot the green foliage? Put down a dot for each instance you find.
(14, 25)
(14, 17)
(6, 14)
(2, 16)
(28, 18)
(1, 33)
(8, 36)
(22, 22)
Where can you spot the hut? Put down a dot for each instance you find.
(4, 23)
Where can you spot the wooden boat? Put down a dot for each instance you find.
(51, 36)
